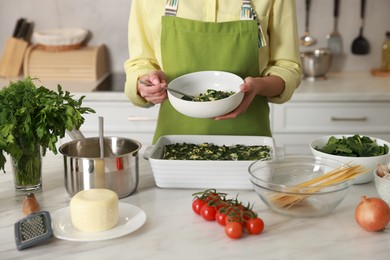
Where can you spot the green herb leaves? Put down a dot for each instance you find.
(31, 115)
(353, 146)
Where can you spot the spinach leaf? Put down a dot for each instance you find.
(353, 146)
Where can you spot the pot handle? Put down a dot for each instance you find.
(75, 134)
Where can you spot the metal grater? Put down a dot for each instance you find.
(33, 229)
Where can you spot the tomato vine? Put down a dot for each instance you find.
(232, 214)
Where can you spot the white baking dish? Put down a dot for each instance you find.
(203, 174)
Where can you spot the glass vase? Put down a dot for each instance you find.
(27, 171)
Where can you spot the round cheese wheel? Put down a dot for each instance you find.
(94, 210)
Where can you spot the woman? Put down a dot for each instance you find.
(256, 40)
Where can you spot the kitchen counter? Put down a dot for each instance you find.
(342, 86)
(173, 231)
(346, 86)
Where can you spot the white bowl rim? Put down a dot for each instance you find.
(210, 72)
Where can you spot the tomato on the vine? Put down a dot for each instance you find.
(254, 226)
(233, 218)
(208, 212)
(220, 217)
(233, 230)
(230, 213)
(212, 198)
(197, 205)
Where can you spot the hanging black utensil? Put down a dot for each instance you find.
(360, 45)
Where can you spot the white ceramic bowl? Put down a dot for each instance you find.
(198, 82)
(382, 187)
(368, 162)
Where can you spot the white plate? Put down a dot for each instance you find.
(130, 219)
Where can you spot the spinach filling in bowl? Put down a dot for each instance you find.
(209, 151)
(210, 95)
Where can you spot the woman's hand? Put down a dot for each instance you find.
(155, 94)
(249, 90)
(269, 86)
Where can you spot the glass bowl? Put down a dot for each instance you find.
(278, 183)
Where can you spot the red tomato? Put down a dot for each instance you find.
(233, 230)
(208, 212)
(221, 218)
(197, 205)
(254, 226)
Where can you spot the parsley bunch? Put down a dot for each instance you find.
(31, 116)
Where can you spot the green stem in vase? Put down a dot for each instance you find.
(28, 171)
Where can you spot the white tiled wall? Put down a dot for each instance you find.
(107, 20)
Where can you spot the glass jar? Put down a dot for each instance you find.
(385, 64)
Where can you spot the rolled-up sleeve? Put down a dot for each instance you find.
(141, 48)
(284, 57)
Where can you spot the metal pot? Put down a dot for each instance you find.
(315, 64)
(117, 170)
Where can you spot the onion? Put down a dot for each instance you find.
(372, 214)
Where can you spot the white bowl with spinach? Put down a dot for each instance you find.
(217, 93)
(358, 149)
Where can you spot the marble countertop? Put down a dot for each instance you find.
(173, 231)
(345, 86)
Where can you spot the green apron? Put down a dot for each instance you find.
(189, 46)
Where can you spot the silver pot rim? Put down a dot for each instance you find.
(63, 147)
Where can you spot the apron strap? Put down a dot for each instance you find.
(171, 7)
(248, 13)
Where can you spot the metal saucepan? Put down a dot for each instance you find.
(84, 169)
(315, 64)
